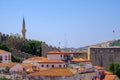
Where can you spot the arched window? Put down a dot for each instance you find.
(5, 57)
(59, 65)
(52, 66)
(42, 65)
(47, 65)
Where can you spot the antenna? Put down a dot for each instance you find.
(59, 45)
(65, 41)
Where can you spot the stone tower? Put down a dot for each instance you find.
(23, 29)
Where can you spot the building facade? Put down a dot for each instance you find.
(5, 56)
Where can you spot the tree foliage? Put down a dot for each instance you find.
(114, 68)
(32, 47)
(116, 43)
(4, 47)
(15, 58)
(3, 78)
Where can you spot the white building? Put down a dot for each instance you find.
(5, 56)
(59, 55)
(43, 62)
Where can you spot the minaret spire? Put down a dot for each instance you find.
(23, 29)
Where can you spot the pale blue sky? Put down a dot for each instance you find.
(74, 22)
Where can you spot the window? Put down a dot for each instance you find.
(5, 57)
(47, 66)
(59, 65)
(52, 66)
(42, 65)
(0, 58)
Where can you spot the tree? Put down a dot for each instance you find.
(15, 58)
(4, 78)
(114, 68)
(32, 47)
(116, 43)
(4, 47)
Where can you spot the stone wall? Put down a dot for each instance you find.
(104, 56)
(46, 48)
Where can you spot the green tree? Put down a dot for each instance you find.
(116, 43)
(15, 58)
(114, 68)
(4, 47)
(4, 78)
(32, 47)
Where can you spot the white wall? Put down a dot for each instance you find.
(56, 65)
(4, 55)
(57, 56)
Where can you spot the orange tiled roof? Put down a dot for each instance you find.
(31, 70)
(37, 58)
(99, 68)
(7, 64)
(80, 60)
(109, 77)
(108, 73)
(55, 72)
(52, 61)
(27, 65)
(59, 52)
(3, 51)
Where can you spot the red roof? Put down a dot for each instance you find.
(52, 61)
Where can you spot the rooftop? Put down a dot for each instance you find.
(80, 60)
(52, 61)
(37, 58)
(55, 72)
(3, 51)
(110, 77)
(99, 68)
(7, 64)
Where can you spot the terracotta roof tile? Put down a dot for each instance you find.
(108, 73)
(3, 51)
(109, 77)
(99, 68)
(37, 58)
(55, 72)
(7, 64)
(80, 60)
(27, 65)
(52, 61)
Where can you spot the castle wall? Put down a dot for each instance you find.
(104, 56)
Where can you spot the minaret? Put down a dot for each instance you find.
(23, 29)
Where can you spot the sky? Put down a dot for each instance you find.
(64, 23)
